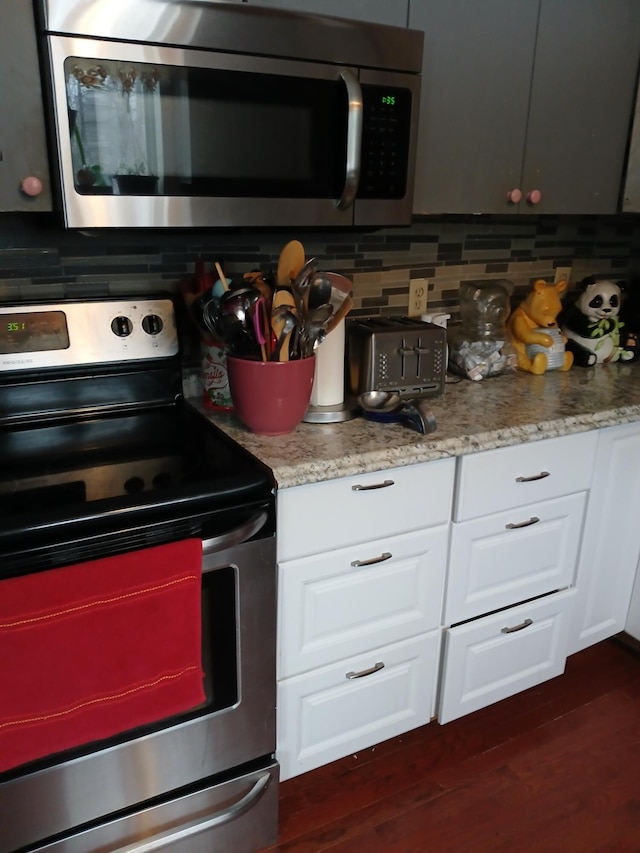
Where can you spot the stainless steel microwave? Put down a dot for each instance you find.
(199, 113)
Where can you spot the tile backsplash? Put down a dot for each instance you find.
(40, 260)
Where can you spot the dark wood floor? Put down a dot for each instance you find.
(556, 768)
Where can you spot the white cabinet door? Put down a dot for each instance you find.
(375, 11)
(331, 712)
(512, 556)
(345, 602)
(611, 542)
(499, 655)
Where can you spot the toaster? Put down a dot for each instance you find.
(404, 355)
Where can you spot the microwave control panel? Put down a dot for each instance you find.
(385, 141)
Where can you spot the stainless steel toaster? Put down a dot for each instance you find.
(401, 354)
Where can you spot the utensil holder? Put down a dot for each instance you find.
(270, 397)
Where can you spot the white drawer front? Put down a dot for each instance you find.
(483, 663)
(337, 513)
(325, 715)
(329, 608)
(493, 565)
(497, 480)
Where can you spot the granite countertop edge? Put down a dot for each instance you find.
(428, 450)
(472, 417)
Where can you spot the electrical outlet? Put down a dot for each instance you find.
(563, 274)
(418, 288)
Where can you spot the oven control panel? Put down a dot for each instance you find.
(78, 333)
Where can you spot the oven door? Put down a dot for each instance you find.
(163, 136)
(167, 780)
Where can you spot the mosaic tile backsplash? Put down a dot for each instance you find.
(40, 260)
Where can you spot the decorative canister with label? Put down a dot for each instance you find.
(215, 380)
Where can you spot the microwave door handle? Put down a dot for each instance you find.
(354, 139)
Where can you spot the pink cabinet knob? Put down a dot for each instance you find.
(31, 186)
(534, 196)
(514, 196)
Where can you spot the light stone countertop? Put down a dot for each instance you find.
(472, 416)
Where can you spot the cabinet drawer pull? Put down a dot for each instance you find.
(519, 627)
(533, 478)
(384, 485)
(516, 525)
(375, 668)
(386, 555)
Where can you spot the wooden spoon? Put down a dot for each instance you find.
(290, 263)
(221, 276)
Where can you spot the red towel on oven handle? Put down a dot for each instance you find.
(91, 650)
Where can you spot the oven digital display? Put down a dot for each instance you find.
(37, 331)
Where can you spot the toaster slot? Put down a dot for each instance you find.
(406, 353)
(409, 322)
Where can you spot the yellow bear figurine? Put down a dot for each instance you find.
(526, 324)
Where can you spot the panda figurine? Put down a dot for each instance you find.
(592, 323)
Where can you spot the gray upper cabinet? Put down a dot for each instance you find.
(392, 12)
(631, 191)
(24, 169)
(529, 98)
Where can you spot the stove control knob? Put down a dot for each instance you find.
(152, 324)
(121, 326)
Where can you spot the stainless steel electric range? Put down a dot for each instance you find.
(103, 466)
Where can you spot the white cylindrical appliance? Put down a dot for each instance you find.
(329, 402)
(328, 383)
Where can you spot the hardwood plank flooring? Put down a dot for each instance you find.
(556, 768)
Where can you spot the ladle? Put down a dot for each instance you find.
(313, 329)
(318, 292)
(287, 323)
(300, 284)
(389, 407)
(282, 304)
(321, 314)
(233, 323)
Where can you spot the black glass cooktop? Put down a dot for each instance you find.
(159, 471)
(99, 453)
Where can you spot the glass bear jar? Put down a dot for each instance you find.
(478, 348)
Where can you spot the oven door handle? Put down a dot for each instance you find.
(236, 536)
(173, 836)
